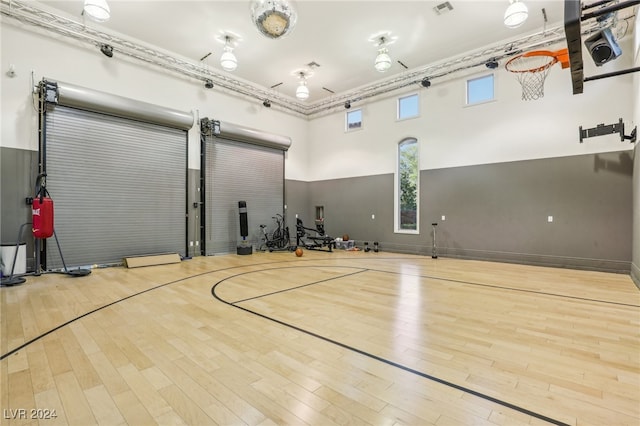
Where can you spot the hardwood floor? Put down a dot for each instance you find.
(328, 338)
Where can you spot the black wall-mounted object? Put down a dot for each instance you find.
(602, 129)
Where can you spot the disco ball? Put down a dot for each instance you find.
(273, 18)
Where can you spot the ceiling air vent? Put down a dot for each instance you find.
(443, 8)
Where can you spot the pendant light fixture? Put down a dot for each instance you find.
(302, 92)
(228, 60)
(516, 14)
(383, 60)
(97, 10)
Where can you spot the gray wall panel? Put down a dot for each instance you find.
(499, 211)
(298, 203)
(18, 169)
(635, 261)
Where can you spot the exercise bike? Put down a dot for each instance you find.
(279, 239)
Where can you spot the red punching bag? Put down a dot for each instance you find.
(42, 213)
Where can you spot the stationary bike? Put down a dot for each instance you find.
(279, 239)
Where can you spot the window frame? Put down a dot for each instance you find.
(476, 78)
(397, 193)
(415, 95)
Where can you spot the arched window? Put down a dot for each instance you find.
(407, 195)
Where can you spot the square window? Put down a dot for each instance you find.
(354, 119)
(408, 107)
(480, 90)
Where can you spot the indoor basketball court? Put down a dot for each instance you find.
(348, 337)
(298, 327)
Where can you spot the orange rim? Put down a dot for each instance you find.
(561, 56)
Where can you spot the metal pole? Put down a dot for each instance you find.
(434, 250)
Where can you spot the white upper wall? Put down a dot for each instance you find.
(452, 134)
(48, 55)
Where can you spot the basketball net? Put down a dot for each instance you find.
(532, 68)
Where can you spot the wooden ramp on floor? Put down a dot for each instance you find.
(151, 260)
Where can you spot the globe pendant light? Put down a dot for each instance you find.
(516, 14)
(302, 92)
(228, 60)
(383, 60)
(98, 10)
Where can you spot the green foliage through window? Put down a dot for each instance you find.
(408, 174)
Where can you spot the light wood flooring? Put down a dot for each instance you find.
(327, 338)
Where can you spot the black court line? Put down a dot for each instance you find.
(296, 287)
(388, 361)
(565, 296)
(58, 327)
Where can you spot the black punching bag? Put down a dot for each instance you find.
(244, 227)
(244, 247)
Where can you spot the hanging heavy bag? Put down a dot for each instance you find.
(42, 211)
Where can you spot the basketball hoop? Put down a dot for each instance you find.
(532, 69)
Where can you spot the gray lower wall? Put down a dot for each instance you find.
(297, 198)
(635, 260)
(493, 212)
(18, 170)
(500, 211)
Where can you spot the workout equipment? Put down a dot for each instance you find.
(44, 219)
(299, 252)
(42, 216)
(367, 249)
(434, 251)
(531, 69)
(376, 247)
(279, 239)
(313, 239)
(12, 280)
(345, 237)
(244, 247)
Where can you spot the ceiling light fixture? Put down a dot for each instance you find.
(516, 14)
(98, 10)
(302, 92)
(425, 82)
(267, 103)
(273, 18)
(228, 60)
(383, 60)
(208, 84)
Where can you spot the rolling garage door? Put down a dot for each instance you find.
(119, 184)
(239, 164)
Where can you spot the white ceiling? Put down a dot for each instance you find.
(334, 34)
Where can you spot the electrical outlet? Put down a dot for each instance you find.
(190, 243)
(444, 218)
(373, 216)
(549, 219)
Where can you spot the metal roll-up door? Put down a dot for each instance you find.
(118, 185)
(239, 171)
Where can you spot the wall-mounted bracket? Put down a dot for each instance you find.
(209, 127)
(602, 129)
